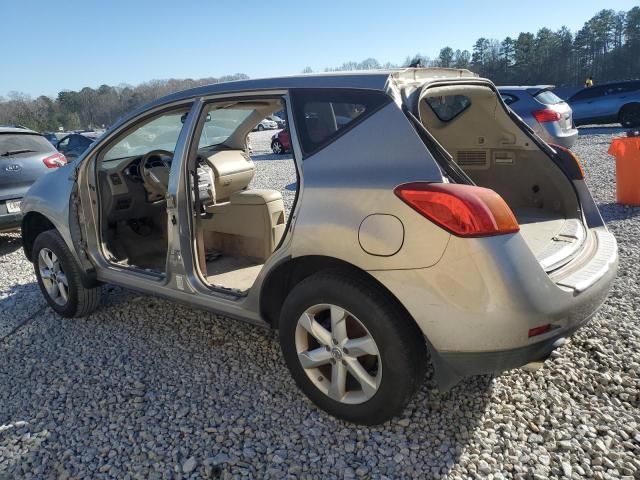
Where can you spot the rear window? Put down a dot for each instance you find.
(548, 98)
(323, 115)
(448, 107)
(17, 142)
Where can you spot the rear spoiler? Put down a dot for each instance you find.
(539, 89)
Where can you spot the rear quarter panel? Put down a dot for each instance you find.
(353, 178)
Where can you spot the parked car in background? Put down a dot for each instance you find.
(281, 142)
(548, 115)
(280, 122)
(617, 102)
(266, 124)
(434, 226)
(25, 156)
(52, 137)
(74, 144)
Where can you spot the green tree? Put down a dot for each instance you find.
(446, 57)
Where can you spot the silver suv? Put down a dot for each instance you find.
(548, 115)
(429, 224)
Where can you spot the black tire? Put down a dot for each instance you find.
(630, 116)
(80, 300)
(260, 127)
(277, 148)
(400, 343)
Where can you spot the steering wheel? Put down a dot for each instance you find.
(155, 168)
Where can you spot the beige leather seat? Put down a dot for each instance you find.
(250, 224)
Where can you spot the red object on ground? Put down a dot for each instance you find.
(284, 139)
(627, 153)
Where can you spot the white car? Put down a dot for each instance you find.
(266, 124)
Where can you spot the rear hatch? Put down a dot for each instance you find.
(22, 158)
(496, 150)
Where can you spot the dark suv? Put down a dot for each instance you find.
(608, 103)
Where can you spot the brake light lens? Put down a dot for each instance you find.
(54, 161)
(546, 115)
(463, 210)
(534, 332)
(571, 155)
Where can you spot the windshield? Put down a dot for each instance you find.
(161, 133)
(23, 143)
(221, 124)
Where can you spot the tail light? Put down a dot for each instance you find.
(54, 161)
(546, 115)
(463, 210)
(571, 157)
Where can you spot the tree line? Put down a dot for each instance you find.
(89, 107)
(607, 47)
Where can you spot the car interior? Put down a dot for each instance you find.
(469, 122)
(236, 228)
(133, 177)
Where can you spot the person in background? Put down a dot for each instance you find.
(588, 82)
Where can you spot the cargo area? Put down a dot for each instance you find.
(471, 124)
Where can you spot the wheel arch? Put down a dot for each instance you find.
(33, 224)
(634, 103)
(290, 272)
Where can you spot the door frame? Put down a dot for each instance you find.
(90, 211)
(249, 302)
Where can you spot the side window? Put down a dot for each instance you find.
(588, 93)
(322, 115)
(74, 142)
(159, 133)
(448, 107)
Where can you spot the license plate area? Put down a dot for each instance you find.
(13, 206)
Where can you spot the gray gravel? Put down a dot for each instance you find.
(145, 388)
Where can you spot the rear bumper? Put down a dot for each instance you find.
(452, 367)
(564, 138)
(476, 306)
(9, 221)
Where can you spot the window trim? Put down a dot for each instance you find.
(296, 93)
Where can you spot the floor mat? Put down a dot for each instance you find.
(232, 272)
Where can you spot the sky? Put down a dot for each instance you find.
(68, 44)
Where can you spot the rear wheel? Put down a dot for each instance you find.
(630, 116)
(350, 349)
(59, 277)
(260, 127)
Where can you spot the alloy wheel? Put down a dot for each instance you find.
(338, 354)
(53, 277)
(276, 147)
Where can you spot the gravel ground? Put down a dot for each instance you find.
(145, 388)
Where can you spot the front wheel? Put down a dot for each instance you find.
(350, 348)
(59, 277)
(276, 147)
(630, 116)
(260, 127)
